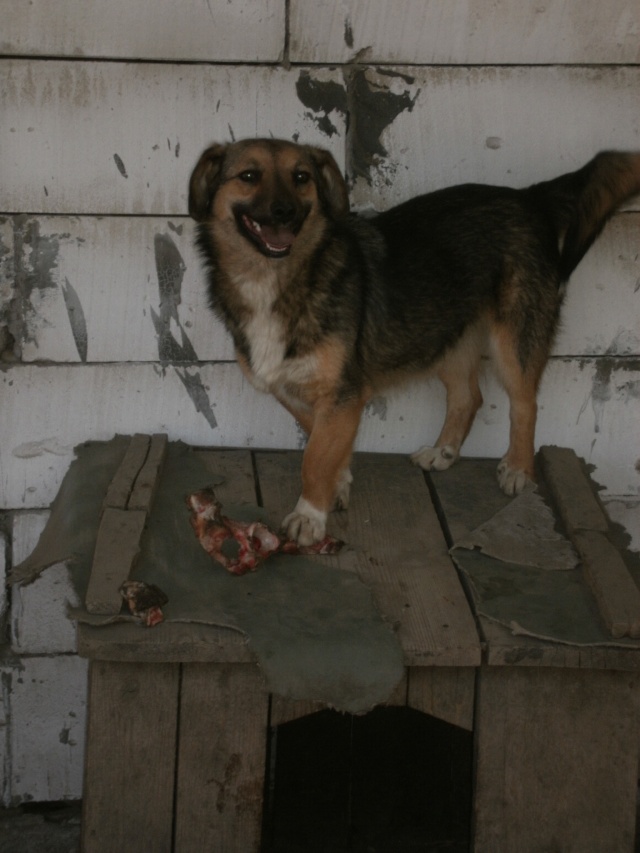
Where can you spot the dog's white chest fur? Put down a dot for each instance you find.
(265, 334)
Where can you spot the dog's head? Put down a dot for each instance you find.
(268, 188)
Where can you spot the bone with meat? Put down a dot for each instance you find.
(256, 541)
(144, 600)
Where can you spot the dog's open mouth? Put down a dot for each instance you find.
(272, 240)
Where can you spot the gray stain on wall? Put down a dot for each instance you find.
(170, 268)
(36, 259)
(373, 109)
(77, 319)
(369, 109)
(322, 98)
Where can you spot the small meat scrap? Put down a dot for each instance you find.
(144, 600)
(255, 540)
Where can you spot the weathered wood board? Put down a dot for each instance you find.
(142, 273)
(117, 548)
(587, 526)
(552, 745)
(145, 274)
(120, 487)
(231, 30)
(503, 125)
(221, 758)
(412, 31)
(107, 137)
(397, 550)
(474, 32)
(46, 410)
(483, 130)
(134, 773)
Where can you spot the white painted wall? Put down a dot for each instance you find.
(104, 108)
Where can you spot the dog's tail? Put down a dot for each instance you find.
(581, 202)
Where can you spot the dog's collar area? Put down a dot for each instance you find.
(272, 240)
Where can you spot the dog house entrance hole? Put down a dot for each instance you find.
(392, 781)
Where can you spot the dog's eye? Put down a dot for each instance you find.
(250, 176)
(300, 178)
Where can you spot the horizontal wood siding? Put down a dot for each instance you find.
(233, 30)
(110, 137)
(46, 410)
(146, 276)
(424, 32)
(473, 32)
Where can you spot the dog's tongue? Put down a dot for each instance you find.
(275, 238)
(279, 238)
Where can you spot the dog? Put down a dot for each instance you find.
(327, 309)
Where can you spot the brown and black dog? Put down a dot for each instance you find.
(326, 309)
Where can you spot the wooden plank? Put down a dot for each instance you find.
(169, 642)
(148, 479)
(285, 710)
(485, 130)
(221, 758)
(44, 413)
(443, 692)
(235, 468)
(426, 32)
(130, 757)
(571, 489)
(120, 488)
(174, 642)
(144, 273)
(604, 569)
(236, 31)
(506, 649)
(609, 579)
(556, 760)
(398, 551)
(117, 547)
(140, 164)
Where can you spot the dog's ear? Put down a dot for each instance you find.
(332, 186)
(204, 181)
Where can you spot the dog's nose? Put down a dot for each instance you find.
(282, 212)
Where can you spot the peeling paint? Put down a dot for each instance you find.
(196, 390)
(322, 98)
(77, 320)
(377, 408)
(170, 268)
(373, 109)
(348, 32)
(604, 388)
(120, 165)
(33, 449)
(36, 259)
(177, 229)
(493, 142)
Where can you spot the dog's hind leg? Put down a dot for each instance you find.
(459, 375)
(521, 384)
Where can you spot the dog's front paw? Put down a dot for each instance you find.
(343, 489)
(306, 524)
(512, 481)
(435, 458)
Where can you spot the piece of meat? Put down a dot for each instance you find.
(255, 540)
(144, 600)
